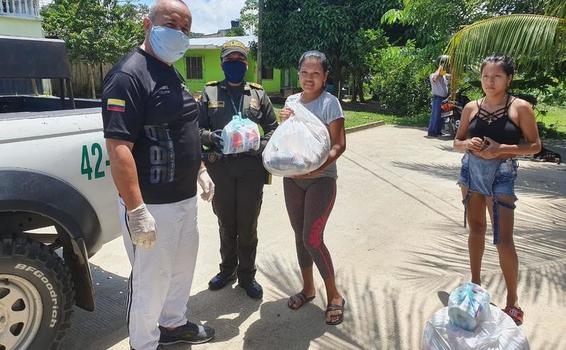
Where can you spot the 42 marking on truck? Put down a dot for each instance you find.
(95, 151)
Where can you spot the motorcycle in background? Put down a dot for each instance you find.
(452, 112)
(545, 154)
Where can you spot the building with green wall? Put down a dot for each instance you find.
(201, 64)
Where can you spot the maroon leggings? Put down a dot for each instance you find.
(309, 203)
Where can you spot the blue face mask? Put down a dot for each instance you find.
(169, 45)
(234, 71)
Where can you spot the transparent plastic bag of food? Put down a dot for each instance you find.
(240, 135)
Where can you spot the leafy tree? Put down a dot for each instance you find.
(400, 81)
(437, 20)
(434, 20)
(249, 16)
(507, 7)
(538, 43)
(366, 52)
(335, 27)
(238, 31)
(95, 31)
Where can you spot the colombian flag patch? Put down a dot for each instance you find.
(116, 105)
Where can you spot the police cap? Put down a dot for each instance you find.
(233, 46)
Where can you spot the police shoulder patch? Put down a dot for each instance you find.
(256, 86)
(212, 83)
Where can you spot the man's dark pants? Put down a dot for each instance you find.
(435, 123)
(237, 202)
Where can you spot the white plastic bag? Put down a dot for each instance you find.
(497, 332)
(298, 146)
(240, 135)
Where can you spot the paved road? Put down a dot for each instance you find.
(398, 244)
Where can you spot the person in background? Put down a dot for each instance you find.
(310, 198)
(151, 129)
(491, 132)
(440, 83)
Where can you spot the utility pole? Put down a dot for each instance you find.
(259, 63)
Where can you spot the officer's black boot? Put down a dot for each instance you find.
(253, 289)
(221, 280)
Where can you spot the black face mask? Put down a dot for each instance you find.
(234, 71)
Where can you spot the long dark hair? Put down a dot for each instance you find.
(505, 62)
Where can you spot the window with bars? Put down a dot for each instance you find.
(266, 73)
(194, 68)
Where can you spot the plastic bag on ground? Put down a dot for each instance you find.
(468, 305)
(498, 332)
(298, 146)
(240, 135)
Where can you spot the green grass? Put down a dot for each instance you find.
(361, 118)
(554, 120)
(555, 116)
(357, 118)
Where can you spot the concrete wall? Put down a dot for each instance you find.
(20, 26)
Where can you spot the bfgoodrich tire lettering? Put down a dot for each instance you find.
(36, 295)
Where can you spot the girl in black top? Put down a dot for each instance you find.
(490, 133)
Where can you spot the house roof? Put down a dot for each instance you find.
(216, 43)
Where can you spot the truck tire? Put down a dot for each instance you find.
(36, 295)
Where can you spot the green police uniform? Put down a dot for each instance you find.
(239, 178)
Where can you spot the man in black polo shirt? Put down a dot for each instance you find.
(151, 127)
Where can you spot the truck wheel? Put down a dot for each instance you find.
(36, 295)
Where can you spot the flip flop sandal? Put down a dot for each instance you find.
(298, 300)
(515, 313)
(335, 307)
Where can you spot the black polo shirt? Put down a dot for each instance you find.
(144, 101)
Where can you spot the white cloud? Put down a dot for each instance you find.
(211, 15)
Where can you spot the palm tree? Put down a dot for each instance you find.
(536, 40)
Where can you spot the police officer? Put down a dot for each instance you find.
(239, 178)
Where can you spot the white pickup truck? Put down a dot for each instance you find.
(57, 200)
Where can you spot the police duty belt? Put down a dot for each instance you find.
(214, 156)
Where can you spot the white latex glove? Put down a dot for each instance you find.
(206, 184)
(142, 227)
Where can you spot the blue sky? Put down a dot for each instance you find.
(211, 15)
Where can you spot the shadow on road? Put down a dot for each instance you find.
(224, 310)
(541, 247)
(105, 326)
(376, 316)
(536, 180)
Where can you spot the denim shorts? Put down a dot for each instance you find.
(490, 177)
